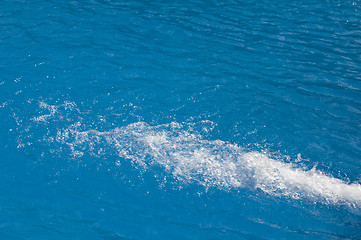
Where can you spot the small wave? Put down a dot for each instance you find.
(189, 157)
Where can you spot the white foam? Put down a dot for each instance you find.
(213, 163)
(53, 110)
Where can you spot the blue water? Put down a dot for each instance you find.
(180, 119)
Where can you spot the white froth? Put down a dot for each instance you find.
(52, 109)
(281, 179)
(191, 158)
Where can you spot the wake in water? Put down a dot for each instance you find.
(191, 158)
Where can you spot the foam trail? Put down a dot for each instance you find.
(190, 158)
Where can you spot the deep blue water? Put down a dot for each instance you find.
(180, 119)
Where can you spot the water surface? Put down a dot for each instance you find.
(182, 120)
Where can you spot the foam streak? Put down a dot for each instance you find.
(191, 158)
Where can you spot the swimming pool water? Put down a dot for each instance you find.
(182, 120)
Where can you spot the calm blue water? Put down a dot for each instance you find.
(180, 119)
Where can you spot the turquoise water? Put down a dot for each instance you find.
(180, 120)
